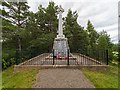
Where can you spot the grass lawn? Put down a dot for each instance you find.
(21, 79)
(0, 80)
(103, 79)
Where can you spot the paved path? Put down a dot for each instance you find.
(62, 78)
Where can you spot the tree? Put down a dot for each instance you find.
(75, 33)
(51, 17)
(14, 17)
(104, 43)
(42, 27)
(16, 13)
(93, 35)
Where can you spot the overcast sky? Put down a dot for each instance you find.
(103, 13)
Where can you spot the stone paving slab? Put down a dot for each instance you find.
(62, 78)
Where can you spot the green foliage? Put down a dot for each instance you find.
(14, 16)
(4, 64)
(92, 33)
(115, 47)
(115, 56)
(51, 17)
(8, 58)
(16, 12)
(104, 40)
(104, 43)
(75, 33)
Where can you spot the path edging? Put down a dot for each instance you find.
(93, 67)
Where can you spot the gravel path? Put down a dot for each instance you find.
(62, 78)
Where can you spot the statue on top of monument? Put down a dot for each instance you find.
(60, 9)
(60, 29)
(60, 46)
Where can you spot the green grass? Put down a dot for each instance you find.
(103, 79)
(0, 80)
(21, 79)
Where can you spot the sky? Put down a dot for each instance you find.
(103, 13)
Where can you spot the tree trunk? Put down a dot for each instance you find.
(19, 44)
(18, 50)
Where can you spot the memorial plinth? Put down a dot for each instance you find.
(60, 46)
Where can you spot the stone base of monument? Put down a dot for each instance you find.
(60, 47)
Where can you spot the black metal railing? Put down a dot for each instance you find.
(68, 56)
(99, 57)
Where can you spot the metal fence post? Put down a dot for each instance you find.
(53, 57)
(107, 57)
(68, 57)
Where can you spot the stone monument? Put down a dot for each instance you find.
(60, 45)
